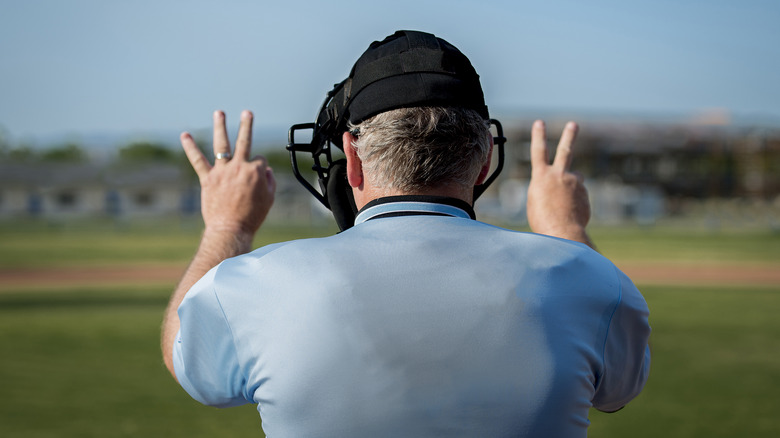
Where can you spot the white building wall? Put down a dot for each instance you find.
(66, 202)
(14, 201)
(142, 202)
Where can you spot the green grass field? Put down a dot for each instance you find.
(85, 362)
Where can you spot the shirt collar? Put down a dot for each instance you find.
(408, 205)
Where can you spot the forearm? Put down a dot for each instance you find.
(215, 246)
(583, 237)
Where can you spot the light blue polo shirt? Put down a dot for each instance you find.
(419, 321)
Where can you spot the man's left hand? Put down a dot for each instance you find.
(557, 199)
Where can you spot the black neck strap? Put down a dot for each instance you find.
(432, 199)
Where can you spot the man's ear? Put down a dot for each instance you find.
(354, 165)
(483, 173)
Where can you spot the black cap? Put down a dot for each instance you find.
(406, 69)
(412, 68)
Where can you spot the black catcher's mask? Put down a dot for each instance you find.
(406, 69)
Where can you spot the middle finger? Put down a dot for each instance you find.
(221, 143)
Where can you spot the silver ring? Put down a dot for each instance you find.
(222, 155)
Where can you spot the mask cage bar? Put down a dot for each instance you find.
(498, 142)
(316, 149)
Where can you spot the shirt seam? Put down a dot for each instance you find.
(609, 327)
(232, 336)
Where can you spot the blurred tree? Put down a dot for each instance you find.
(67, 153)
(5, 143)
(279, 160)
(21, 154)
(11, 153)
(147, 152)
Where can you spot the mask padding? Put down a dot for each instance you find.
(342, 203)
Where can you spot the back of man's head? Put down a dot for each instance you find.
(413, 149)
(417, 107)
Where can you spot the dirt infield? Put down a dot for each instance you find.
(641, 273)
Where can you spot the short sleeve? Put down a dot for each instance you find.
(204, 353)
(626, 350)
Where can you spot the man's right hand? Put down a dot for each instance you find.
(557, 200)
(236, 192)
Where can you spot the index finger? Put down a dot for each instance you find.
(195, 156)
(244, 140)
(563, 153)
(539, 154)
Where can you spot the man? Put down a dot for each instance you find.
(418, 320)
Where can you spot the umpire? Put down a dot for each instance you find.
(417, 320)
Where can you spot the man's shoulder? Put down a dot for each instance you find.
(555, 252)
(540, 241)
(298, 249)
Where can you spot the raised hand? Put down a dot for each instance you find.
(557, 200)
(236, 192)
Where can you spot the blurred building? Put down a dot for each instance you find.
(635, 173)
(81, 190)
(642, 172)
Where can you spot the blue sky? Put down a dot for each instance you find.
(81, 67)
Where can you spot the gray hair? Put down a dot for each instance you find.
(409, 149)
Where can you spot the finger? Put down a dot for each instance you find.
(563, 153)
(196, 158)
(539, 154)
(244, 140)
(221, 143)
(270, 179)
(267, 171)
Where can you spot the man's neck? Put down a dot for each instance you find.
(456, 191)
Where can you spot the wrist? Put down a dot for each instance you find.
(228, 240)
(236, 229)
(573, 232)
